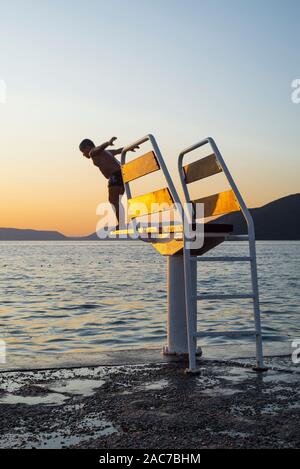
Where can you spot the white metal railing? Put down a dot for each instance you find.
(190, 308)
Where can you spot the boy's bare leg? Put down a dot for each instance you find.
(114, 196)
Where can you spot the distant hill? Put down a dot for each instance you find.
(14, 234)
(95, 237)
(278, 220)
(92, 237)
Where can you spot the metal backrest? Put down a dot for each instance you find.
(216, 204)
(140, 166)
(151, 202)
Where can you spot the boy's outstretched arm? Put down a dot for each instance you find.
(118, 151)
(97, 150)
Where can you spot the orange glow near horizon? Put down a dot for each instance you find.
(68, 205)
(72, 72)
(57, 189)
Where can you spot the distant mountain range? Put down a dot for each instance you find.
(15, 234)
(278, 220)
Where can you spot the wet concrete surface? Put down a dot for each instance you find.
(153, 406)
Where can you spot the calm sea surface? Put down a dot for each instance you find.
(95, 296)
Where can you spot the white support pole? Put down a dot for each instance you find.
(260, 366)
(177, 343)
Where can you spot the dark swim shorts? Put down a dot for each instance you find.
(116, 180)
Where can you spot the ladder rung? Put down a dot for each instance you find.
(220, 259)
(224, 297)
(226, 333)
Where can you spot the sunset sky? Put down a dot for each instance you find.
(181, 69)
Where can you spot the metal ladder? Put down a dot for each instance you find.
(191, 286)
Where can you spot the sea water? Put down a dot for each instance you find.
(107, 295)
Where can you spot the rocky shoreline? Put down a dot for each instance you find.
(152, 406)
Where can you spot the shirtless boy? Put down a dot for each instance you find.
(109, 166)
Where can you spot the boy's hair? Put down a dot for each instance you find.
(86, 143)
